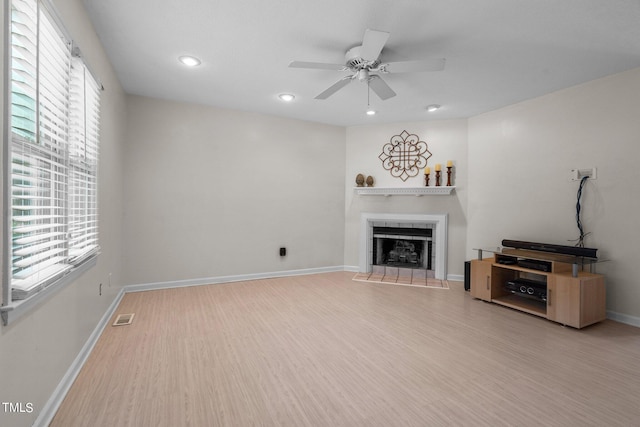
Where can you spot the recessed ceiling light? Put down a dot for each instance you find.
(287, 97)
(433, 107)
(189, 61)
(371, 112)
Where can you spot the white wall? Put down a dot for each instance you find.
(213, 192)
(37, 350)
(446, 140)
(519, 187)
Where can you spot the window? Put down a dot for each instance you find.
(53, 136)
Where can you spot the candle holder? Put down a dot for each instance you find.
(426, 179)
(448, 176)
(437, 178)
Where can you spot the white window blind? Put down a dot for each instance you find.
(83, 163)
(54, 153)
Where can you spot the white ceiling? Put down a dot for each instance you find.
(498, 52)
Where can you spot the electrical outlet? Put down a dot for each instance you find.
(578, 174)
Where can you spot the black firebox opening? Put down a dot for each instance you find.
(402, 247)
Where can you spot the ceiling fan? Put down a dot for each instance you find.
(363, 62)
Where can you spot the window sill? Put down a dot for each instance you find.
(16, 309)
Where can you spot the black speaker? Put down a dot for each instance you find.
(546, 247)
(467, 275)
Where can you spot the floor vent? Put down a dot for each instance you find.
(123, 319)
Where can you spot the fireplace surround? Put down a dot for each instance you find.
(436, 224)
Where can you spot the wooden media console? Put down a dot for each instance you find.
(548, 285)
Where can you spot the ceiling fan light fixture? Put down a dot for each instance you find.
(363, 75)
(433, 107)
(286, 97)
(189, 61)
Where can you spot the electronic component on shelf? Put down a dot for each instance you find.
(535, 264)
(528, 287)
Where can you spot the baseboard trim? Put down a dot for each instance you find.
(229, 279)
(51, 407)
(624, 318)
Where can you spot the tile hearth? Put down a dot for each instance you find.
(402, 276)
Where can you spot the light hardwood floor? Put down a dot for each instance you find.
(323, 350)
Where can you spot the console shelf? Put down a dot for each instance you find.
(561, 291)
(537, 308)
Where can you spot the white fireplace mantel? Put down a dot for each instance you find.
(404, 191)
(439, 221)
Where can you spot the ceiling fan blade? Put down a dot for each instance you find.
(335, 87)
(372, 44)
(435, 64)
(317, 65)
(381, 88)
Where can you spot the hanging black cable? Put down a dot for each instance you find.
(578, 209)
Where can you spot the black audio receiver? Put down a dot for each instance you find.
(533, 288)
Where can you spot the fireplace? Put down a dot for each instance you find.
(406, 241)
(402, 247)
